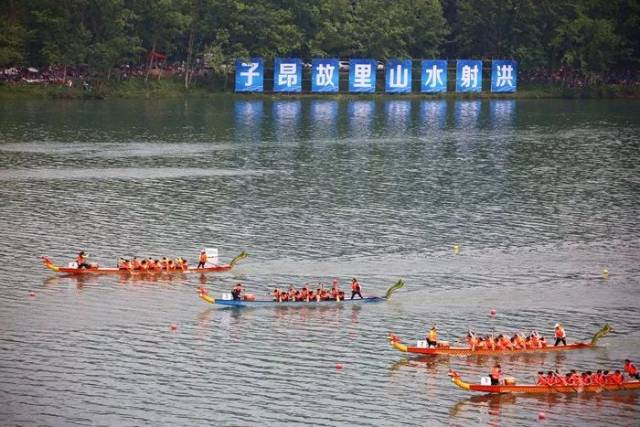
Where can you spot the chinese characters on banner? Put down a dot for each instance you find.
(362, 75)
(287, 75)
(468, 75)
(433, 76)
(398, 76)
(504, 76)
(250, 75)
(325, 76)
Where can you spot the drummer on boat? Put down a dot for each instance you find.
(236, 292)
(202, 260)
(81, 260)
(560, 334)
(355, 288)
(432, 337)
(495, 374)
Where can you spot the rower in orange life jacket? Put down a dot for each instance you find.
(432, 337)
(135, 263)
(631, 369)
(81, 260)
(496, 372)
(355, 288)
(202, 260)
(560, 334)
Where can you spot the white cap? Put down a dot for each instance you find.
(557, 325)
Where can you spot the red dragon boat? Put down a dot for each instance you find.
(115, 270)
(542, 389)
(443, 347)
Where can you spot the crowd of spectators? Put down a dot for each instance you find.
(57, 75)
(573, 78)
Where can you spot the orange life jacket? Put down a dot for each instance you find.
(560, 332)
(80, 259)
(355, 286)
(433, 335)
(631, 369)
(203, 258)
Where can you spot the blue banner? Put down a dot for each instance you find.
(362, 75)
(398, 76)
(433, 76)
(468, 75)
(504, 75)
(250, 75)
(287, 75)
(325, 76)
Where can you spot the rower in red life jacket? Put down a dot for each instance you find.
(616, 378)
(631, 369)
(496, 372)
(237, 291)
(543, 379)
(202, 260)
(560, 334)
(355, 288)
(335, 292)
(81, 260)
(135, 263)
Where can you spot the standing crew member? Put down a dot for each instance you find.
(631, 369)
(355, 288)
(237, 291)
(81, 260)
(432, 337)
(496, 372)
(203, 259)
(560, 334)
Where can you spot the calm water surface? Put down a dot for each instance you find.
(541, 196)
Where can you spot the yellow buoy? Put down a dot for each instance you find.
(605, 273)
(456, 249)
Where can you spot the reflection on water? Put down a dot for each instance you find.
(360, 115)
(248, 117)
(286, 117)
(397, 116)
(433, 115)
(324, 115)
(502, 112)
(467, 114)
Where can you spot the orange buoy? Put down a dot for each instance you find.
(32, 294)
(338, 365)
(542, 415)
(493, 312)
(174, 327)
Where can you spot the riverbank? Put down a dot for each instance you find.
(174, 88)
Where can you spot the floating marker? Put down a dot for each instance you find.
(492, 312)
(605, 273)
(174, 327)
(456, 249)
(338, 365)
(32, 294)
(542, 415)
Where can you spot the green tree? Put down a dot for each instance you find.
(14, 34)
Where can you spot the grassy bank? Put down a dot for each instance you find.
(174, 88)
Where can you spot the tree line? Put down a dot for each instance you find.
(589, 36)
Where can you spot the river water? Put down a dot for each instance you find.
(539, 195)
